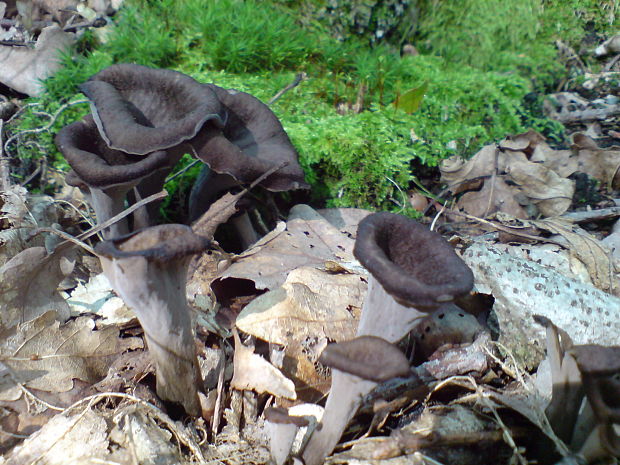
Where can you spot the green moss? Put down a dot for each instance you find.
(477, 84)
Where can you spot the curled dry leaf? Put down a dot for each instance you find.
(600, 163)
(588, 250)
(521, 165)
(253, 372)
(307, 239)
(44, 355)
(28, 287)
(23, 69)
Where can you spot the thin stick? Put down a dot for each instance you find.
(206, 216)
(181, 171)
(505, 229)
(91, 232)
(45, 127)
(298, 78)
(65, 236)
(5, 179)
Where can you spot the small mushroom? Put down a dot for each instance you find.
(600, 373)
(148, 269)
(413, 271)
(107, 174)
(357, 366)
(281, 428)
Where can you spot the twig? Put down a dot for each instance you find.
(45, 127)
(593, 215)
(181, 171)
(208, 215)
(298, 78)
(65, 236)
(5, 179)
(506, 229)
(128, 211)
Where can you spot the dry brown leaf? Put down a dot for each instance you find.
(44, 355)
(459, 174)
(306, 239)
(28, 287)
(64, 440)
(20, 213)
(311, 308)
(495, 196)
(22, 68)
(311, 303)
(253, 372)
(588, 250)
(602, 164)
(551, 193)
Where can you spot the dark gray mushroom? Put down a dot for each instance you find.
(412, 271)
(600, 374)
(148, 270)
(173, 105)
(251, 143)
(357, 366)
(105, 175)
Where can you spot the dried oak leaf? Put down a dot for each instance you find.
(43, 354)
(306, 239)
(23, 68)
(600, 163)
(588, 250)
(253, 372)
(28, 287)
(76, 439)
(494, 196)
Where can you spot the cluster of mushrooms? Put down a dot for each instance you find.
(143, 120)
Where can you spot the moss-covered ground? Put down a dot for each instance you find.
(485, 64)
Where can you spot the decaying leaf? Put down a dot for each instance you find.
(46, 355)
(28, 287)
(23, 69)
(75, 439)
(307, 239)
(521, 166)
(588, 250)
(311, 303)
(253, 372)
(600, 163)
(310, 308)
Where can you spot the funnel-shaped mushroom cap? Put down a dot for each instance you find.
(160, 244)
(368, 357)
(175, 107)
(96, 164)
(252, 142)
(600, 372)
(413, 264)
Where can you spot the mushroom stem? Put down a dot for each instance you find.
(148, 269)
(382, 316)
(108, 203)
(245, 229)
(344, 399)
